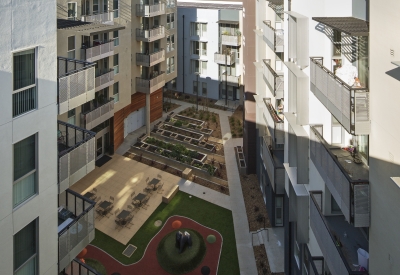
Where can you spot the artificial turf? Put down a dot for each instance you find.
(201, 211)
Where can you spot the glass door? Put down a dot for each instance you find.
(99, 147)
(278, 211)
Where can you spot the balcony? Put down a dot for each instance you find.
(151, 85)
(76, 154)
(78, 267)
(231, 40)
(150, 10)
(75, 83)
(231, 79)
(221, 58)
(337, 239)
(274, 81)
(274, 38)
(99, 51)
(313, 265)
(348, 104)
(75, 226)
(104, 18)
(273, 160)
(104, 80)
(101, 113)
(275, 122)
(151, 34)
(149, 60)
(346, 180)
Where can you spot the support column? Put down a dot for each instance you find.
(148, 113)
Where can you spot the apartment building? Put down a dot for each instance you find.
(313, 127)
(28, 115)
(211, 55)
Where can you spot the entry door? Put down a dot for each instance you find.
(230, 92)
(99, 147)
(279, 211)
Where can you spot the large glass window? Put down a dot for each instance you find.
(195, 87)
(71, 47)
(71, 116)
(25, 250)
(170, 21)
(199, 48)
(24, 185)
(115, 8)
(72, 8)
(116, 38)
(170, 43)
(95, 6)
(116, 92)
(170, 64)
(198, 66)
(24, 82)
(116, 64)
(198, 29)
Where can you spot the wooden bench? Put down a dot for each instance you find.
(171, 194)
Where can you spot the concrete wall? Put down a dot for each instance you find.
(384, 138)
(28, 25)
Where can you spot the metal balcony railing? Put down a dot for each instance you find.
(75, 83)
(274, 38)
(339, 254)
(221, 58)
(231, 40)
(274, 81)
(76, 154)
(347, 181)
(151, 34)
(91, 119)
(104, 80)
(98, 52)
(232, 79)
(275, 123)
(80, 268)
(349, 105)
(150, 10)
(313, 265)
(76, 231)
(151, 85)
(149, 60)
(99, 18)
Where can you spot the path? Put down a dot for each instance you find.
(149, 263)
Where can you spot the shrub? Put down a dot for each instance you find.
(214, 118)
(233, 135)
(178, 123)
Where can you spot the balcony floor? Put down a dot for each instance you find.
(355, 171)
(355, 238)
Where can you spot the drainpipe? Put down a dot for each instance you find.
(183, 54)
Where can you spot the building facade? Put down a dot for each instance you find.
(211, 53)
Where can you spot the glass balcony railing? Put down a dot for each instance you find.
(348, 104)
(104, 17)
(149, 60)
(150, 35)
(346, 180)
(274, 81)
(76, 83)
(101, 113)
(144, 10)
(104, 80)
(98, 51)
(221, 58)
(76, 152)
(75, 226)
(231, 40)
(150, 85)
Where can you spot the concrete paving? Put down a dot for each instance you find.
(273, 240)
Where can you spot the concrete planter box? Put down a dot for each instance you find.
(158, 125)
(144, 146)
(142, 137)
(240, 160)
(160, 131)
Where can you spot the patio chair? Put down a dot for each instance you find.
(147, 190)
(118, 224)
(112, 198)
(147, 180)
(159, 176)
(133, 194)
(135, 203)
(160, 188)
(97, 199)
(130, 207)
(109, 212)
(129, 223)
(94, 190)
(144, 202)
(116, 212)
(100, 213)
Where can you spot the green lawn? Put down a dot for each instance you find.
(197, 209)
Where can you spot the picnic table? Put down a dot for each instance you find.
(123, 216)
(105, 206)
(139, 197)
(153, 183)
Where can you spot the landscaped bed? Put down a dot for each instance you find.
(210, 215)
(211, 120)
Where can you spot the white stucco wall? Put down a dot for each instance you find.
(25, 25)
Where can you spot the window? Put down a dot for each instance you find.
(116, 38)
(24, 82)
(115, 8)
(71, 116)
(116, 66)
(170, 64)
(105, 5)
(204, 88)
(71, 47)
(95, 6)
(195, 87)
(297, 253)
(72, 7)
(25, 250)
(199, 48)
(170, 43)
(198, 29)
(116, 92)
(337, 43)
(24, 185)
(170, 3)
(170, 21)
(198, 66)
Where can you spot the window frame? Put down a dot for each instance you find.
(72, 50)
(116, 95)
(116, 38)
(33, 171)
(75, 11)
(35, 255)
(116, 64)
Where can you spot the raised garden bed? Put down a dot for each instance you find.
(190, 120)
(210, 119)
(182, 131)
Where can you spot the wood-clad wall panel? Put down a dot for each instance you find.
(156, 105)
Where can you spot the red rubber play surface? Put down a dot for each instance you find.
(149, 265)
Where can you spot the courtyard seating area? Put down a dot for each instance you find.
(125, 195)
